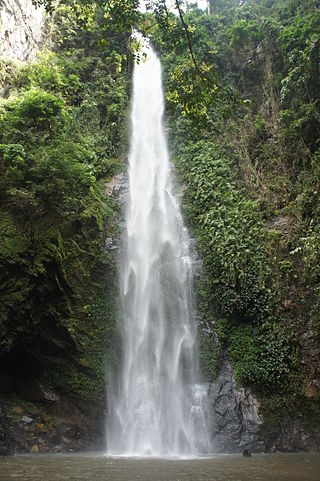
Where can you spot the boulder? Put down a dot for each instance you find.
(236, 423)
(26, 419)
(31, 390)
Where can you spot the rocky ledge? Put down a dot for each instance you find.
(65, 425)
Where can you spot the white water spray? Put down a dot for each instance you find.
(156, 408)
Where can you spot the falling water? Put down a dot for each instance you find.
(157, 407)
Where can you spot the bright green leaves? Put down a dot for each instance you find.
(12, 162)
(190, 93)
(52, 74)
(264, 356)
(191, 78)
(243, 32)
(122, 15)
(33, 114)
(84, 12)
(37, 109)
(230, 232)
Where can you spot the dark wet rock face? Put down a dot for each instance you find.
(64, 426)
(292, 435)
(12, 438)
(310, 352)
(118, 188)
(236, 422)
(5, 448)
(36, 419)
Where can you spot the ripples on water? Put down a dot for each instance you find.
(76, 467)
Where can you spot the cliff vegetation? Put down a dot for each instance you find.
(242, 89)
(62, 139)
(243, 108)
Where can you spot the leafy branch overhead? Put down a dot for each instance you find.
(196, 79)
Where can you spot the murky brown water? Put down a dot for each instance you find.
(276, 467)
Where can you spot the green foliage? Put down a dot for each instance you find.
(247, 156)
(25, 119)
(242, 32)
(230, 234)
(242, 90)
(60, 139)
(264, 356)
(240, 286)
(210, 353)
(192, 84)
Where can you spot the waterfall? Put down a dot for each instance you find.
(156, 407)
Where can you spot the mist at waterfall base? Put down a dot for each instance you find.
(156, 403)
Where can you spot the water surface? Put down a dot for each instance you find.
(76, 467)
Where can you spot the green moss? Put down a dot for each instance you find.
(295, 406)
(62, 134)
(210, 353)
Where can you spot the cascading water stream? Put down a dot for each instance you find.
(156, 405)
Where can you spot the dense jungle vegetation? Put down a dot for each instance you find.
(244, 128)
(62, 137)
(242, 89)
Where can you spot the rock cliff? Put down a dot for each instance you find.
(21, 29)
(236, 422)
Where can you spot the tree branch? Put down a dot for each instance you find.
(185, 27)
